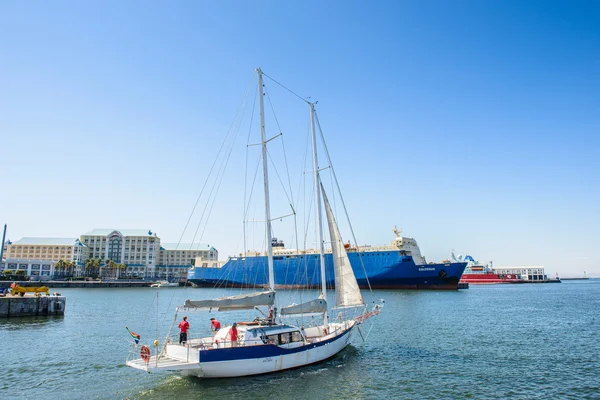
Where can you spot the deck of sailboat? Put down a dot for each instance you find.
(163, 363)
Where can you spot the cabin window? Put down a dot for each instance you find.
(285, 337)
(273, 339)
(296, 337)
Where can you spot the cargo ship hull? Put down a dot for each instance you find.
(384, 269)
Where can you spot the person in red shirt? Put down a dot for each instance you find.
(215, 325)
(184, 326)
(233, 334)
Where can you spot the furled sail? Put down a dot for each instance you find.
(314, 306)
(239, 302)
(347, 292)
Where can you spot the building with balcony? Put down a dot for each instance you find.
(136, 248)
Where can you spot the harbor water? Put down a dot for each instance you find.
(488, 342)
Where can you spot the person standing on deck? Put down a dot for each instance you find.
(233, 334)
(215, 325)
(184, 326)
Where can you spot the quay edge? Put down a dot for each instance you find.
(32, 306)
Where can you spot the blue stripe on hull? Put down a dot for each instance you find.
(259, 351)
(385, 270)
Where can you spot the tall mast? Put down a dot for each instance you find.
(266, 179)
(2, 248)
(318, 208)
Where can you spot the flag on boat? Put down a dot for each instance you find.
(134, 335)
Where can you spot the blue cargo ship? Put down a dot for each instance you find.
(398, 265)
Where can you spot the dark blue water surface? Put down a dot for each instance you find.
(523, 341)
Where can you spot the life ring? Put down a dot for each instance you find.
(145, 353)
(509, 276)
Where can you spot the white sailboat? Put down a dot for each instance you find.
(267, 344)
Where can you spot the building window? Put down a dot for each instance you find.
(114, 249)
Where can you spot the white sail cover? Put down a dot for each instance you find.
(314, 306)
(239, 302)
(347, 292)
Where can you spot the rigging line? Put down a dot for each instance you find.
(282, 144)
(146, 319)
(281, 181)
(216, 184)
(306, 217)
(302, 189)
(212, 195)
(251, 190)
(246, 171)
(307, 226)
(212, 167)
(286, 167)
(247, 209)
(219, 176)
(220, 181)
(333, 196)
(306, 213)
(289, 90)
(214, 198)
(301, 266)
(343, 203)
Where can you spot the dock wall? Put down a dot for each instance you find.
(31, 306)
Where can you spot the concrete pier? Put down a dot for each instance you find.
(30, 305)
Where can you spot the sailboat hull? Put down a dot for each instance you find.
(385, 270)
(255, 360)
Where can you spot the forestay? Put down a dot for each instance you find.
(313, 306)
(239, 302)
(347, 293)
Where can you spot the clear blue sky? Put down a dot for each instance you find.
(473, 125)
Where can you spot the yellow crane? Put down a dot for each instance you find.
(20, 290)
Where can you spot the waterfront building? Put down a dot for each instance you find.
(136, 248)
(34, 269)
(175, 259)
(142, 252)
(139, 249)
(528, 274)
(37, 256)
(41, 248)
